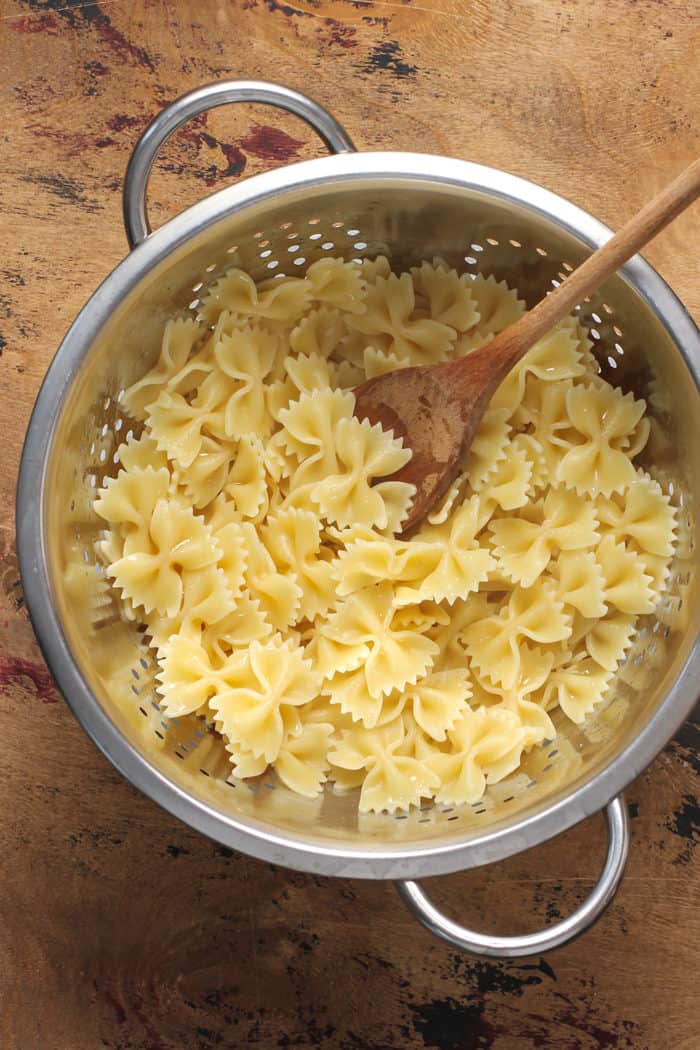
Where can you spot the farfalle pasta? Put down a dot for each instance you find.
(254, 528)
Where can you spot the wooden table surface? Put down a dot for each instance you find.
(120, 927)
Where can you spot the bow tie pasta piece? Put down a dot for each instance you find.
(447, 295)
(536, 723)
(449, 637)
(528, 446)
(283, 301)
(319, 332)
(643, 514)
(371, 269)
(608, 639)
(308, 431)
(498, 306)
(150, 571)
(246, 481)
(452, 498)
(577, 688)
(485, 746)
(438, 700)
(245, 623)
(337, 284)
(393, 781)
(511, 481)
(493, 644)
(129, 499)
(627, 586)
(279, 594)
(89, 593)
(460, 564)
(389, 323)
(180, 337)
(362, 628)
(255, 686)
(140, 453)
(580, 583)
(236, 391)
(544, 412)
(377, 363)
(208, 471)
(563, 521)
(352, 493)
(310, 372)
(178, 426)
(206, 599)
(234, 558)
(371, 558)
(605, 421)
(488, 448)
(556, 356)
(535, 664)
(302, 762)
(349, 693)
(293, 539)
(186, 676)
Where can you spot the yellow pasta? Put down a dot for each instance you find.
(253, 526)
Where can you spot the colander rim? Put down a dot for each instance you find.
(385, 860)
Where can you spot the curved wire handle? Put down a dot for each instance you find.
(543, 940)
(191, 105)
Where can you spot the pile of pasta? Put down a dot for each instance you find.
(254, 528)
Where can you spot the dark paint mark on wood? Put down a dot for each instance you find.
(270, 143)
(119, 1011)
(633, 809)
(15, 671)
(504, 978)
(43, 24)
(286, 9)
(120, 121)
(235, 159)
(446, 1024)
(3, 343)
(177, 851)
(687, 741)
(340, 34)
(686, 824)
(68, 190)
(77, 14)
(13, 278)
(73, 142)
(96, 69)
(580, 1016)
(387, 56)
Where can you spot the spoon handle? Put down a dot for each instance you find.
(511, 344)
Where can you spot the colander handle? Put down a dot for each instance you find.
(198, 101)
(544, 940)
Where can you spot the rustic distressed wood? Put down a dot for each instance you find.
(119, 927)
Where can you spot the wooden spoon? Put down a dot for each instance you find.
(437, 409)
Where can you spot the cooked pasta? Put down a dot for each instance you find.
(254, 528)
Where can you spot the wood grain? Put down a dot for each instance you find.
(120, 927)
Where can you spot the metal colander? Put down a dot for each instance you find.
(410, 207)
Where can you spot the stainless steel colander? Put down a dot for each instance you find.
(411, 207)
